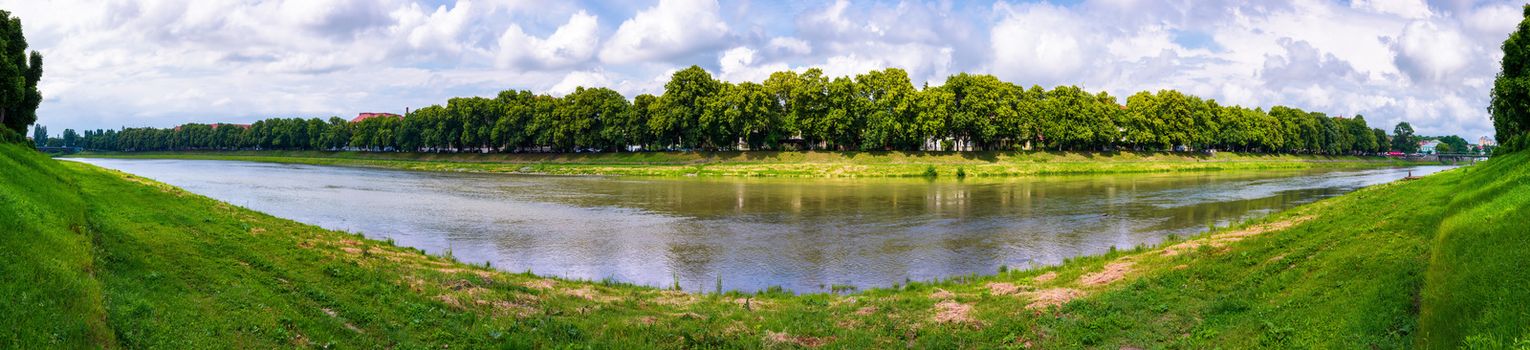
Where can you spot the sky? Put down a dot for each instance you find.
(160, 63)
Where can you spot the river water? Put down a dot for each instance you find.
(802, 234)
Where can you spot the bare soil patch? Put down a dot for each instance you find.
(1052, 297)
(540, 284)
(1219, 240)
(1111, 273)
(1045, 277)
(942, 294)
(866, 311)
(1001, 288)
(950, 311)
(776, 338)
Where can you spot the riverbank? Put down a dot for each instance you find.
(107, 259)
(792, 164)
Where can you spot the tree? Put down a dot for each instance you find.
(1383, 143)
(40, 135)
(1510, 106)
(1403, 139)
(677, 115)
(1457, 144)
(19, 74)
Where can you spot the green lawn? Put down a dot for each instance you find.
(105, 259)
(793, 164)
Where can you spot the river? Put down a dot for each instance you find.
(805, 235)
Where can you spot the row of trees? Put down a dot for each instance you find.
(879, 110)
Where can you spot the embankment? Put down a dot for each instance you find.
(105, 259)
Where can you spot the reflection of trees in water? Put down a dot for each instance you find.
(1199, 216)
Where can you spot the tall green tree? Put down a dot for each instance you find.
(19, 74)
(40, 135)
(1403, 139)
(1510, 106)
(677, 117)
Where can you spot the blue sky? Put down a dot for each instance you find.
(114, 63)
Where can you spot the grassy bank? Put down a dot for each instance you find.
(792, 164)
(106, 259)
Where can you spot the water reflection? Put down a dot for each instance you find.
(804, 235)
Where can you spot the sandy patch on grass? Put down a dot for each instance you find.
(1045, 277)
(589, 294)
(674, 298)
(517, 309)
(778, 338)
(1052, 297)
(950, 311)
(540, 284)
(1219, 240)
(1001, 288)
(751, 303)
(942, 294)
(1111, 273)
(866, 311)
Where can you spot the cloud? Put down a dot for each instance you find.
(1430, 52)
(790, 46)
(437, 30)
(1402, 8)
(738, 65)
(117, 63)
(572, 44)
(577, 79)
(1041, 43)
(671, 29)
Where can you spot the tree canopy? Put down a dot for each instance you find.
(1510, 107)
(19, 74)
(876, 111)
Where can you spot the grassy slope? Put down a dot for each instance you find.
(173, 269)
(791, 164)
(1478, 288)
(50, 294)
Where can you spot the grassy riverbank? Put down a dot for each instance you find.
(106, 259)
(792, 164)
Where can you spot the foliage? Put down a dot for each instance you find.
(876, 111)
(19, 75)
(1510, 106)
(1403, 139)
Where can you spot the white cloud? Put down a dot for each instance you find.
(738, 65)
(671, 29)
(1430, 52)
(572, 44)
(792, 46)
(1040, 43)
(577, 79)
(437, 30)
(1403, 8)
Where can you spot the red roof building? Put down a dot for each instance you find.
(368, 115)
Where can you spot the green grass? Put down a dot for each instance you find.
(107, 259)
(793, 164)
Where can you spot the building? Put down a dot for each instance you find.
(370, 115)
(1427, 147)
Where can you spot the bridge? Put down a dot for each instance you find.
(63, 150)
(1457, 158)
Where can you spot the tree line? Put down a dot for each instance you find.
(875, 111)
